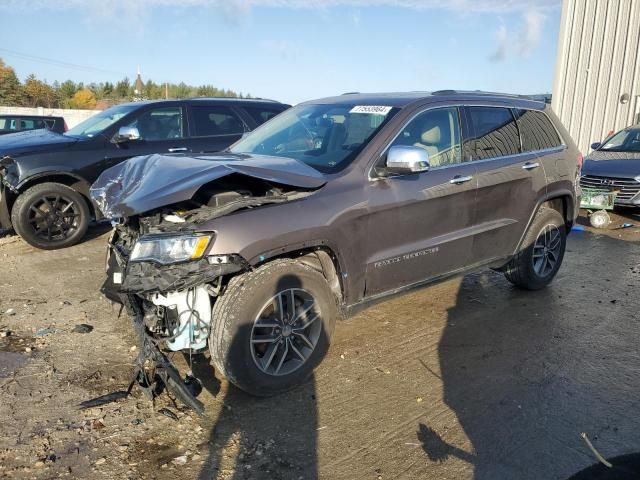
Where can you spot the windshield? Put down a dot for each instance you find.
(100, 121)
(325, 137)
(625, 141)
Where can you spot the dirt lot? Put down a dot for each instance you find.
(467, 379)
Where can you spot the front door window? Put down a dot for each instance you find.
(438, 133)
(164, 123)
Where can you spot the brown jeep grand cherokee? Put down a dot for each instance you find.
(331, 205)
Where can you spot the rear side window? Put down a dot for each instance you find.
(536, 130)
(26, 124)
(495, 132)
(262, 114)
(214, 120)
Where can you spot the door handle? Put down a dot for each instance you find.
(457, 180)
(178, 149)
(530, 166)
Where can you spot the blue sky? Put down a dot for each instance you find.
(290, 50)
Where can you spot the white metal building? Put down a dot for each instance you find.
(597, 78)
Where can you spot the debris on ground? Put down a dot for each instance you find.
(104, 399)
(82, 328)
(624, 225)
(43, 332)
(10, 311)
(181, 460)
(168, 413)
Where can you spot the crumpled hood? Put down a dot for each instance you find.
(612, 164)
(32, 141)
(144, 183)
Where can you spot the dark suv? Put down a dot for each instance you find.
(45, 176)
(332, 205)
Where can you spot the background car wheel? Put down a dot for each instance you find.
(600, 219)
(272, 327)
(540, 257)
(50, 216)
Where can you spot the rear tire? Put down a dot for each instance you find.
(50, 216)
(542, 252)
(246, 318)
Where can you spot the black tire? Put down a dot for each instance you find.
(235, 311)
(521, 270)
(50, 216)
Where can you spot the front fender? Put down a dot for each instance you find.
(306, 247)
(49, 171)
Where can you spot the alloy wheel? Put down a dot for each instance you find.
(286, 332)
(53, 217)
(546, 250)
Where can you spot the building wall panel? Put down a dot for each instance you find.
(598, 60)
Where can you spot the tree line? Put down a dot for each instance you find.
(69, 94)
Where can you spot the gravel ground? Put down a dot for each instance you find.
(470, 378)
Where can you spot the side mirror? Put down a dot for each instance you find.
(405, 160)
(596, 145)
(126, 134)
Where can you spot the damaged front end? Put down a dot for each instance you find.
(8, 182)
(159, 262)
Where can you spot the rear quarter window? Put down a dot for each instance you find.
(213, 120)
(262, 114)
(536, 130)
(495, 132)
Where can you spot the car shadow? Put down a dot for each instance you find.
(263, 438)
(526, 372)
(96, 230)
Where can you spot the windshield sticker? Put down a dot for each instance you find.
(371, 109)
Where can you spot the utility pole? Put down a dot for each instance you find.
(166, 90)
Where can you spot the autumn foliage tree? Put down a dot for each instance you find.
(11, 92)
(39, 94)
(83, 99)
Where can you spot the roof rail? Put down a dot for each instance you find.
(444, 92)
(480, 92)
(233, 98)
(350, 93)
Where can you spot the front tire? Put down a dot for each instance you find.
(50, 216)
(542, 252)
(272, 326)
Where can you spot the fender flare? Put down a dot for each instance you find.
(560, 193)
(79, 184)
(50, 173)
(307, 247)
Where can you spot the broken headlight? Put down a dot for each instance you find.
(166, 249)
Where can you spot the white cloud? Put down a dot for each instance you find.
(502, 38)
(529, 37)
(355, 18)
(245, 6)
(132, 14)
(521, 41)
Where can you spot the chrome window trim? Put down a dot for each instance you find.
(562, 146)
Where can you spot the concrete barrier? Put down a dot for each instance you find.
(71, 116)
